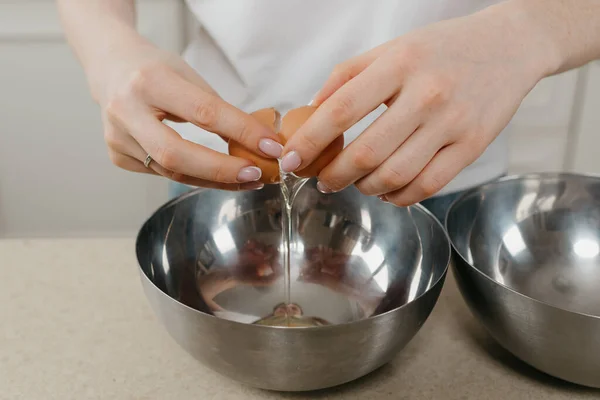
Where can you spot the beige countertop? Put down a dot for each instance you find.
(75, 325)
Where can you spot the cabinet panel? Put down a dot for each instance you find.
(586, 127)
(539, 132)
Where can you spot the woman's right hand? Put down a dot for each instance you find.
(140, 86)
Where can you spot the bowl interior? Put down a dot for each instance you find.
(538, 235)
(353, 256)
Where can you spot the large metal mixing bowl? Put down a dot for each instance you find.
(373, 272)
(526, 258)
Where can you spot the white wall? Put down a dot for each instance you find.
(585, 156)
(55, 175)
(540, 131)
(51, 134)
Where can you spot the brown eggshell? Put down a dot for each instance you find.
(268, 166)
(291, 122)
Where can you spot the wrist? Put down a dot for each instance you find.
(111, 51)
(540, 53)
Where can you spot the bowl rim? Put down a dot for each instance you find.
(197, 191)
(496, 183)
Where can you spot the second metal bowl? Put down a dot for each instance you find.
(527, 261)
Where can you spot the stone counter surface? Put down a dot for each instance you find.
(75, 325)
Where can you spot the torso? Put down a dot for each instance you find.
(261, 53)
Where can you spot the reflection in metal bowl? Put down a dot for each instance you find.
(372, 271)
(527, 260)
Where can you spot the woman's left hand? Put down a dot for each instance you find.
(450, 89)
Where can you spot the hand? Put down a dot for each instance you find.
(140, 87)
(449, 88)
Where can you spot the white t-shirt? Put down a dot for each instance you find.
(265, 53)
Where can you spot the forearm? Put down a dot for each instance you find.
(568, 30)
(98, 30)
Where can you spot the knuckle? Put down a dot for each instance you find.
(143, 78)
(476, 138)
(342, 111)
(138, 81)
(167, 158)
(219, 173)
(331, 180)
(392, 179)
(430, 185)
(430, 98)
(112, 139)
(341, 72)
(206, 113)
(365, 157)
(177, 177)
(309, 143)
(406, 56)
(366, 188)
(458, 115)
(409, 50)
(114, 108)
(400, 202)
(434, 92)
(245, 134)
(137, 85)
(335, 184)
(116, 158)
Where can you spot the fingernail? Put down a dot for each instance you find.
(383, 198)
(270, 147)
(321, 187)
(290, 162)
(249, 174)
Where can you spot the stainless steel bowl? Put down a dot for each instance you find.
(526, 258)
(373, 272)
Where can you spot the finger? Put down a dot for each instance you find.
(163, 116)
(131, 164)
(375, 145)
(120, 142)
(208, 111)
(170, 117)
(193, 181)
(231, 187)
(178, 155)
(446, 164)
(353, 101)
(345, 72)
(145, 135)
(406, 163)
(127, 146)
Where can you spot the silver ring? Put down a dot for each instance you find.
(147, 161)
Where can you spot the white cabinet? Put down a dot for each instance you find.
(557, 127)
(585, 156)
(541, 130)
(55, 175)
